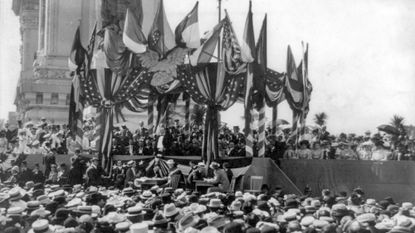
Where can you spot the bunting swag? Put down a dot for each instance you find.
(209, 84)
(274, 87)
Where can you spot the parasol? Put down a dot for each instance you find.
(388, 129)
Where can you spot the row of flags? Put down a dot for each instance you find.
(146, 27)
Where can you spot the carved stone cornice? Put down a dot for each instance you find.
(29, 20)
(51, 73)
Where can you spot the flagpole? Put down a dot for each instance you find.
(219, 17)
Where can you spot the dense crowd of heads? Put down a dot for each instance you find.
(39, 207)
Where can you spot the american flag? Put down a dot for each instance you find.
(232, 57)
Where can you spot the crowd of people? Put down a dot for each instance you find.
(43, 137)
(87, 200)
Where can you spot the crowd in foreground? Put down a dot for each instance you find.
(89, 206)
(317, 143)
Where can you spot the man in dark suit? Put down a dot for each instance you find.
(163, 141)
(92, 173)
(232, 152)
(77, 169)
(131, 173)
(25, 174)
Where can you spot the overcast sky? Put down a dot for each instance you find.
(362, 54)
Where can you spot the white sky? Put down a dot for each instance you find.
(362, 54)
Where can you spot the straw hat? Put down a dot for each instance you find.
(15, 194)
(215, 203)
(41, 225)
(170, 210)
(139, 228)
(15, 211)
(189, 220)
(41, 212)
(122, 226)
(146, 195)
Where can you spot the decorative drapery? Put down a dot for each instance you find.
(209, 85)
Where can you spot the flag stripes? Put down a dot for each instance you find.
(261, 132)
(249, 139)
(274, 120)
(150, 117)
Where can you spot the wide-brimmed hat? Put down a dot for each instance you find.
(74, 202)
(82, 210)
(139, 228)
(189, 220)
(32, 205)
(15, 211)
(146, 195)
(218, 221)
(113, 218)
(44, 200)
(128, 191)
(76, 188)
(15, 194)
(123, 226)
(134, 211)
(41, 225)
(159, 220)
(209, 229)
(338, 210)
(29, 185)
(4, 197)
(196, 208)
(235, 206)
(215, 203)
(41, 212)
(170, 210)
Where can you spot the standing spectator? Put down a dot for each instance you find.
(37, 174)
(131, 173)
(25, 174)
(93, 176)
(48, 160)
(228, 171)
(63, 174)
(77, 168)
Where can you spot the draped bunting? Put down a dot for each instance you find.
(209, 84)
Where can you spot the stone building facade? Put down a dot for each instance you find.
(47, 28)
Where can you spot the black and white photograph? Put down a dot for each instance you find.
(207, 116)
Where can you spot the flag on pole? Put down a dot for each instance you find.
(139, 20)
(76, 107)
(78, 53)
(297, 90)
(259, 85)
(248, 43)
(161, 37)
(231, 50)
(205, 52)
(248, 55)
(187, 32)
